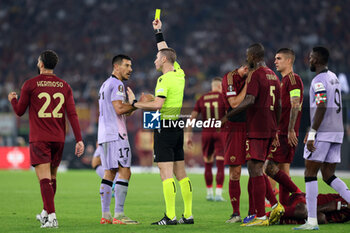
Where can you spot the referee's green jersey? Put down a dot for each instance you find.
(171, 86)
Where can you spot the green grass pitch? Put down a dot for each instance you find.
(78, 205)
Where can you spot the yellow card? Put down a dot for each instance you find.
(157, 16)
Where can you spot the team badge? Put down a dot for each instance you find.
(233, 158)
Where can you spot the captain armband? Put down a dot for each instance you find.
(295, 93)
(321, 97)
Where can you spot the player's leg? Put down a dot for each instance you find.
(207, 150)
(258, 190)
(121, 190)
(313, 163)
(311, 186)
(111, 165)
(97, 165)
(57, 152)
(41, 158)
(283, 179)
(234, 188)
(123, 157)
(220, 177)
(220, 167)
(284, 191)
(44, 176)
(106, 195)
(208, 176)
(328, 170)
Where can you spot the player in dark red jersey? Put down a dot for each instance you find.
(211, 105)
(49, 98)
(262, 102)
(234, 89)
(280, 158)
(331, 208)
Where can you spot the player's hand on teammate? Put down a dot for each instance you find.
(292, 138)
(157, 24)
(12, 95)
(131, 95)
(79, 148)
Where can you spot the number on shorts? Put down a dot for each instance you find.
(55, 113)
(127, 149)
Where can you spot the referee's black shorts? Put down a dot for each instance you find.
(168, 145)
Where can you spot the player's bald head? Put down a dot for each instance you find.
(169, 53)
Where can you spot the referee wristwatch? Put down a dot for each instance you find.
(134, 102)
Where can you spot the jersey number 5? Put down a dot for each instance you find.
(272, 94)
(55, 113)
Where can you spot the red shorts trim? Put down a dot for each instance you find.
(284, 153)
(235, 143)
(212, 143)
(46, 152)
(258, 148)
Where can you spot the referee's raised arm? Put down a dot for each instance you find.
(157, 26)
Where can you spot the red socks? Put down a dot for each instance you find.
(47, 195)
(208, 175)
(270, 195)
(251, 210)
(234, 189)
(53, 183)
(288, 186)
(259, 191)
(220, 174)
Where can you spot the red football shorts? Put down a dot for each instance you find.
(212, 143)
(284, 153)
(235, 143)
(258, 149)
(46, 152)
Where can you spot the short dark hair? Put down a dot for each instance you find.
(49, 58)
(169, 53)
(288, 52)
(257, 50)
(119, 59)
(322, 54)
(217, 79)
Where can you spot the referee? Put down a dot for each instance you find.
(168, 142)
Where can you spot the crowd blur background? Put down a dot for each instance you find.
(210, 38)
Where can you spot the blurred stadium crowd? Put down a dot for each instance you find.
(209, 36)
